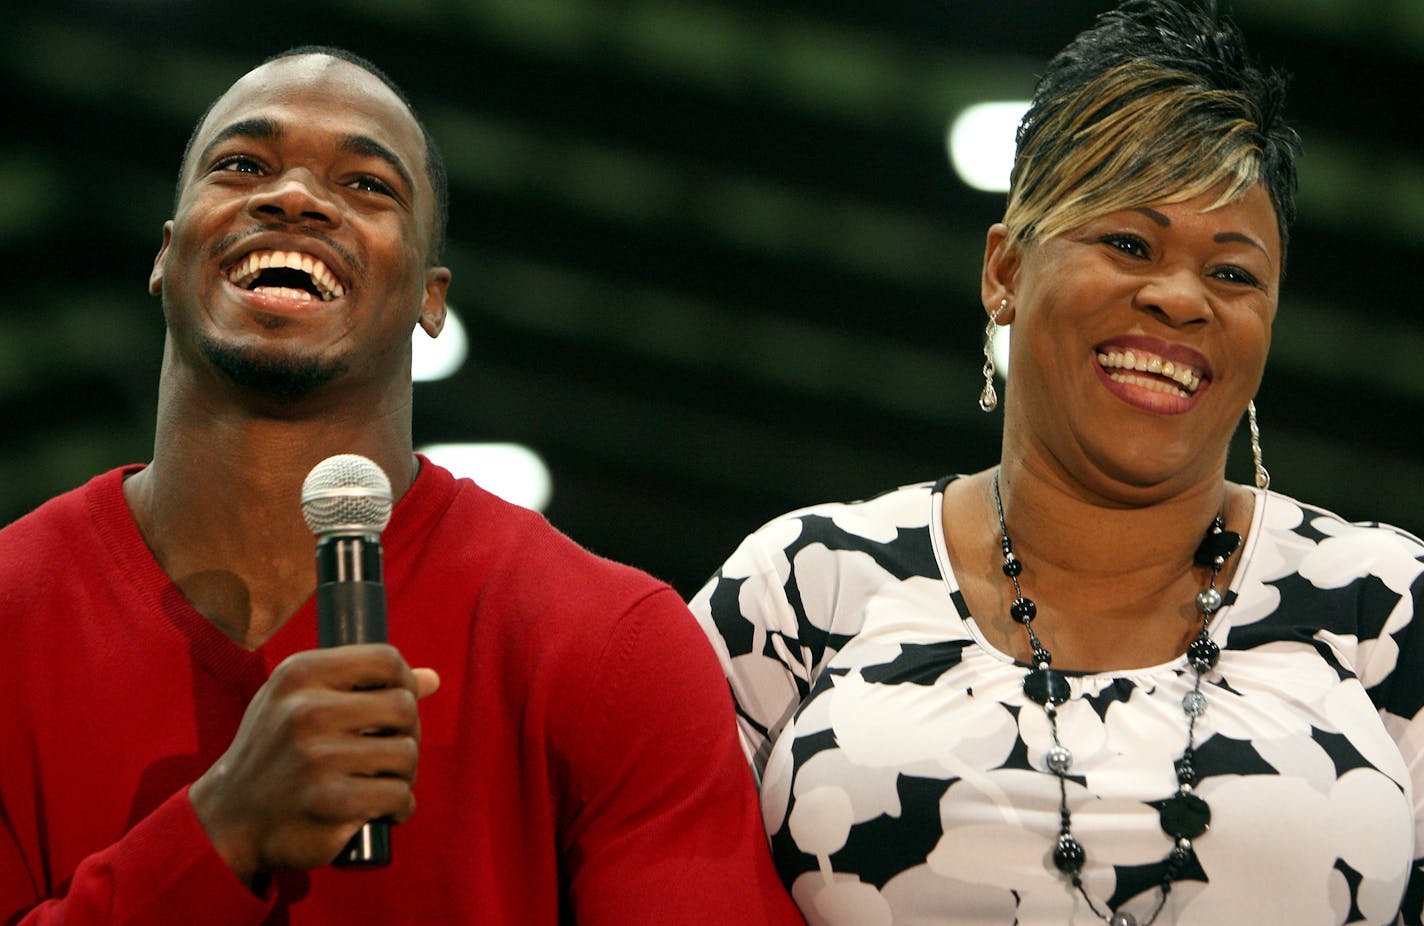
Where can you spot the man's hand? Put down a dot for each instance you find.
(305, 771)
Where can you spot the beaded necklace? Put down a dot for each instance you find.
(1184, 816)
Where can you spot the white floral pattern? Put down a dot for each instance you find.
(902, 768)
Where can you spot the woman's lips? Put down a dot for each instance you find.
(1146, 379)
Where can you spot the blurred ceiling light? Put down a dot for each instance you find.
(981, 143)
(437, 358)
(512, 471)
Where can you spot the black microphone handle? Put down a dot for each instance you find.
(351, 608)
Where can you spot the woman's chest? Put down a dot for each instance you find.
(918, 759)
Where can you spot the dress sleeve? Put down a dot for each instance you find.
(752, 610)
(665, 826)
(1392, 670)
(164, 870)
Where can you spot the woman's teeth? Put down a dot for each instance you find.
(1121, 365)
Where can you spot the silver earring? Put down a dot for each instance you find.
(1263, 478)
(988, 398)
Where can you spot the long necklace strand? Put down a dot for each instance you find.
(1184, 816)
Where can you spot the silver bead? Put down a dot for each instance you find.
(1122, 919)
(1209, 600)
(1194, 703)
(1060, 760)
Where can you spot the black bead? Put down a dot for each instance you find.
(1068, 855)
(1023, 610)
(1046, 686)
(1203, 653)
(1185, 816)
(1012, 566)
(1186, 772)
(1216, 545)
(1041, 656)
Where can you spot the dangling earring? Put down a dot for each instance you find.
(1263, 478)
(989, 399)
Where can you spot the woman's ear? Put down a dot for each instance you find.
(1000, 275)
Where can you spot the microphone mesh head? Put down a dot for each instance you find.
(346, 494)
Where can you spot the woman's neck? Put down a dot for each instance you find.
(1114, 582)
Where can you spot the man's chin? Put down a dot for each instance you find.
(282, 376)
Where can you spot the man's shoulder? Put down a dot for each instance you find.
(514, 547)
(43, 548)
(59, 516)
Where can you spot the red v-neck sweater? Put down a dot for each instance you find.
(578, 764)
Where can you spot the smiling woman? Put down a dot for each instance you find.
(1190, 284)
(1098, 682)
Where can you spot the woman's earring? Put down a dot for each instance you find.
(1263, 478)
(988, 398)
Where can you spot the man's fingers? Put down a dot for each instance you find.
(427, 682)
(354, 800)
(346, 668)
(321, 712)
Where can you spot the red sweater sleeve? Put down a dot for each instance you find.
(667, 828)
(163, 871)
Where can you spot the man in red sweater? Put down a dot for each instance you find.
(173, 747)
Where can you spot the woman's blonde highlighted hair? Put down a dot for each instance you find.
(1157, 103)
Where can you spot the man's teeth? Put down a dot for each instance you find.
(246, 270)
(286, 292)
(1142, 362)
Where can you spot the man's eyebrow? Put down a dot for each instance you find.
(369, 147)
(263, 129)
(257, 128)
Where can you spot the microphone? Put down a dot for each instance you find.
(346, 501)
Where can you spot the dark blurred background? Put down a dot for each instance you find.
(711, 257)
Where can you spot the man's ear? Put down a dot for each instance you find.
(155, 276)
(432, 310)
(1000, 275)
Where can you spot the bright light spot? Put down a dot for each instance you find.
(512, 471)
(1001, 350)
(437, 358)
(981, 144)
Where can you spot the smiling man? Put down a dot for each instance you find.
(175, 747)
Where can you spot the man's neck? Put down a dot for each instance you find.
(220, 507)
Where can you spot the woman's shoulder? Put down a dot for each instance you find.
(887, 533)
(876, 519)
(1308, 563)
(1316, 530)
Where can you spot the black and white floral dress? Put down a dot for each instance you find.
(902, 768)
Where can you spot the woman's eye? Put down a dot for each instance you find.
(1236, 275)
(1127, 244)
